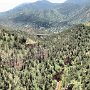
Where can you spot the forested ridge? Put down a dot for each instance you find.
(30, 62)
(47, 15)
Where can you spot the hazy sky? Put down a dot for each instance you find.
(8, 4)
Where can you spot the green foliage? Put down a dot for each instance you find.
(37, 74)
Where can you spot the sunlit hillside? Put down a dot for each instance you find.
(35, 63)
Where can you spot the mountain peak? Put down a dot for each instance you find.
(42, 4)
(43, 1)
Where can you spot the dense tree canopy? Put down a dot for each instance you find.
(69, 50)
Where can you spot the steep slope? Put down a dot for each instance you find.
(46, 15)
(80, 2)
(39, 14)
(82, 15)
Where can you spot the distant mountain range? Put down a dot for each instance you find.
(78, 1)
(46, 15)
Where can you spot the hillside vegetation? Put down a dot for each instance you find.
(50, 16)
(30, 62)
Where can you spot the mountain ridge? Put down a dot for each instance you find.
(80, 2)
(48, 15)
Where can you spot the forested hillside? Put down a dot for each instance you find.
(47, 15)
(80, 2)
(30, 62)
